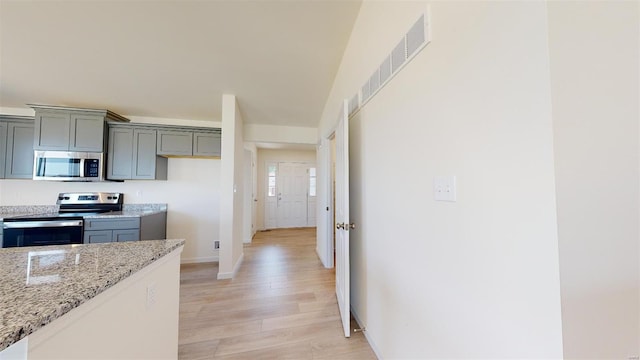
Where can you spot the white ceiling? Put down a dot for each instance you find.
(175, 59)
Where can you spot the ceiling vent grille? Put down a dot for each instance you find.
(415, 37)
(418, 36)
(374, 81)
(354, 104)
(398, 55)
(366, 91)
(385, 70)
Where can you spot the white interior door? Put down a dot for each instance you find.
(342, 219)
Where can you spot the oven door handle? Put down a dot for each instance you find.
(37, 224)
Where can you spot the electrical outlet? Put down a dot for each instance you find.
(444, 188)
(151, 295)
(216, 245)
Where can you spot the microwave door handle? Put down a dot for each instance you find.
(82, 168)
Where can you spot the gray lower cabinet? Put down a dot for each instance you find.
(98, 236)
(18, 162)
(132, 155)
(113, 229)
(97, 230)
(126, 235)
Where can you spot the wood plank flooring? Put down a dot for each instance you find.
(280, 305)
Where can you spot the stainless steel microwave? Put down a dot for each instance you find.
(68, 166)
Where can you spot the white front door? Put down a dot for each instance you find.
(342, 219)
(287, 199)
(292, 194)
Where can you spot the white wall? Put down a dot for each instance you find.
(191, 192)
(280, 134)
(478, 278)
(273, 156)
(231, 189)
(594, 77)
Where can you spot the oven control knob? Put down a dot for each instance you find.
(67, 198)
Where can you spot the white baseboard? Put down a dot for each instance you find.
(372, 344)
(231, 275)
(200, 260)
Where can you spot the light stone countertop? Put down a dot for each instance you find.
(40, 284)
(12, 211)
(128, 210)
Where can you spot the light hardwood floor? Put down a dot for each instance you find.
(280, 305)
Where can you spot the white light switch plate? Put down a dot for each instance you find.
(444, 188)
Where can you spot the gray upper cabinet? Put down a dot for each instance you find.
(16, 155)
(86, 133)
(177, 143)
(19, 159)
(147, 165)
(68, 131)
(119, 153)
(206, 144)
(52, 131)
(132, 154)
(3, 147)
(71, 129)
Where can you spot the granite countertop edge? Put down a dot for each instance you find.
(23, 330)
(128, 210)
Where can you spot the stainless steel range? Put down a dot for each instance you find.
(64, 227)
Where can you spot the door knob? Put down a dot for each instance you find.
(340, 226)
(352, 226)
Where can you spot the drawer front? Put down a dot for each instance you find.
(98, 236)
(112, 223)
(126, 235)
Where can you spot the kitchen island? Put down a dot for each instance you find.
(111, 300)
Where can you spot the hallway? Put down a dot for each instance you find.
(280, 305)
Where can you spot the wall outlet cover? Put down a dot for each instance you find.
(444, 188)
